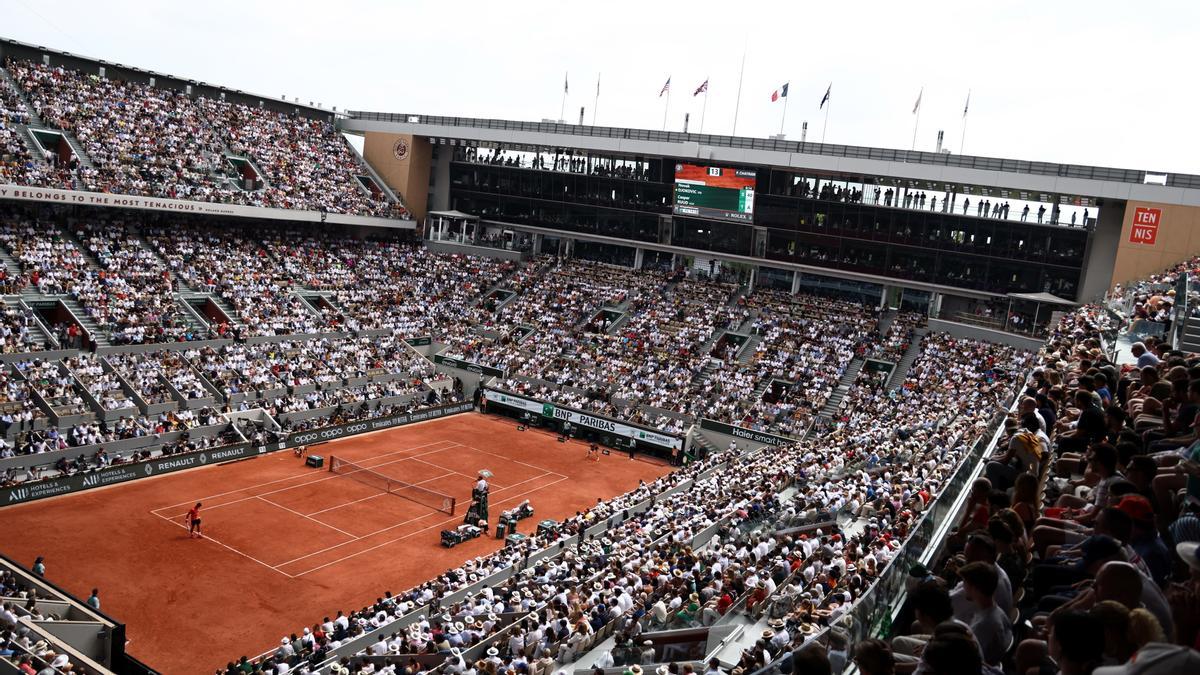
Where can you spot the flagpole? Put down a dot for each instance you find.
(737, 106)
(918, 120)
(596, 104)
(667, 105)
(784, 117)
(828, 105)
(562, 110)
(704, 106)
(963, 141)
(914, 142)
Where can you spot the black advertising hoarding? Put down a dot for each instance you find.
(743, 432)
(52, 487)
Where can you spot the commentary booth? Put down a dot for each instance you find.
(453, 226)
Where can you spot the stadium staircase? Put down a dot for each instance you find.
(226, 307)
(89, 324)
(38, 330)
(700, 440)
(1190, 342)
(35, 120)
(885, 322)
(710, 367)
(835, 399)
(10, 264)
(26, 134)
(195, 319)
(896, 379)
(330, 299)
(77, 148)
(749, 349)
(761, 389)
(620, 322)
(307, 304)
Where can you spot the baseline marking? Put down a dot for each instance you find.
(268, 501)
(230, 548)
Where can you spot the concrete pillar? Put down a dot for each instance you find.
(753, 277)
(639, 255)
(537, 244)
(883, 294)
(795, 282)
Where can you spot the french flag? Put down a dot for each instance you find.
(779, 93)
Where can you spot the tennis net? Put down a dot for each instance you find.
(433, 499)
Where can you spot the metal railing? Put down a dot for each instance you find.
(780, 145)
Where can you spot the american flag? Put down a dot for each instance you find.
(702, 89)
(666, 87)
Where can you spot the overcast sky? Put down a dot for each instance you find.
(1109, 83)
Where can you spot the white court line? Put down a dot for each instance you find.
(510, 459)
(464, 475)
(302, 475)
(410, 520)
(268, 501)
(305, 484)
(444, 522)
(227, 546)
(378, 495)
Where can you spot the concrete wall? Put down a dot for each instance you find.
(467, 249)
(403, 161)
(1178, 239)
(962, 330)
(1102, 253)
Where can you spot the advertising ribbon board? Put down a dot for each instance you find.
(743, 432)
(52, 487)
(583, 419)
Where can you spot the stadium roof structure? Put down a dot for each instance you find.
(1046, 177)
(1043, 298)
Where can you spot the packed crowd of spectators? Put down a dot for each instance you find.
(805, 344)
(19, 332)
(644, 574)
(17, 164)
(23, 650)
(159, 142)
(892, 346)
(1077, 549)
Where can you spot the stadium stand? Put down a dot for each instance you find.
(982, 507)
(139, 139)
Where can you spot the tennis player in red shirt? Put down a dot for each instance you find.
(192, 519)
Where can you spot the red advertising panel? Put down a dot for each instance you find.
(1145, 225)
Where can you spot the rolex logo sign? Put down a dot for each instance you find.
(547, 410)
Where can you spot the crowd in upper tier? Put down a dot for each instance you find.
(154, 141)
(659, 348)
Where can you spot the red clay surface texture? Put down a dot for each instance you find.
(285, 544)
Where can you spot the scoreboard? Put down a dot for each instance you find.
(714, 192)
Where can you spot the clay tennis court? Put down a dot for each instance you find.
(284, 544)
